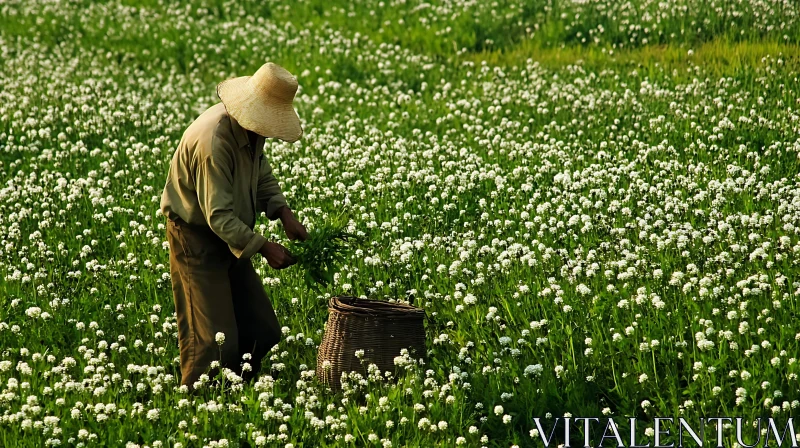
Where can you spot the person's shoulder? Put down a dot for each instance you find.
(214, 122)
(211, 131)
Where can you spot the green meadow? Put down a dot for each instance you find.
(597, 203)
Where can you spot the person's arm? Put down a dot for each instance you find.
(270, 197)
(274, 203)
(214, 185)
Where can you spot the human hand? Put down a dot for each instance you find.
(278, 257)
(294, 229)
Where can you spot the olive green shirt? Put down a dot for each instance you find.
(217, 179)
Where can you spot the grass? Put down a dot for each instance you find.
(717, 58)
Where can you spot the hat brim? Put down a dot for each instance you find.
(271, 119)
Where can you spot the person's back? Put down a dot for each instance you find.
(185, 159)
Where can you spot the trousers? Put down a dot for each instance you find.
(214, 292)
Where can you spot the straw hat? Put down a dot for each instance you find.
(262, 103)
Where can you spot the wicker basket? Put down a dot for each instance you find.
(381, 329)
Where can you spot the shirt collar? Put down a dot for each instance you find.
(240, 134)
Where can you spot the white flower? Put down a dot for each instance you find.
(470, 299)
(220, 337)
(533, 370)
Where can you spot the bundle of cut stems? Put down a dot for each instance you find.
(321, 256)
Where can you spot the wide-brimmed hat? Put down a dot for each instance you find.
(262, 103)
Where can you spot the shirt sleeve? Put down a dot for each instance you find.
(214, 184)
(270, 197)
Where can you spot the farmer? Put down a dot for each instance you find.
(218, 183)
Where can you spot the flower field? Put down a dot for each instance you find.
(597, 203)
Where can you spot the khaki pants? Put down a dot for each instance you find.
(216, 292)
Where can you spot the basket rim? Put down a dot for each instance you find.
(355, 306)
